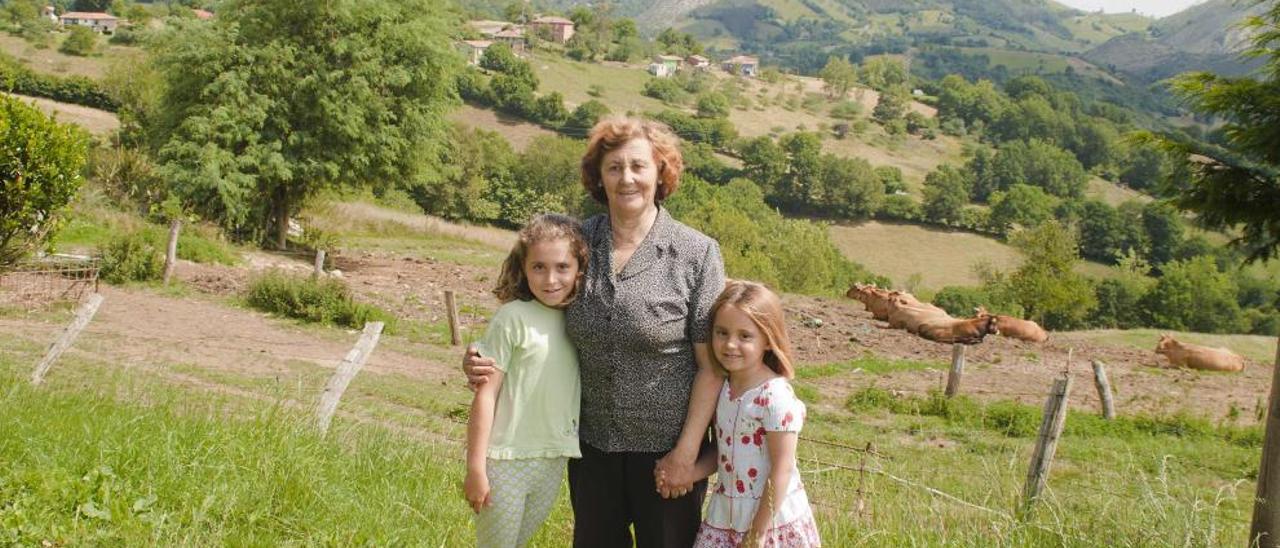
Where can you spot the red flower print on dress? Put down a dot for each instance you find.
(751, 472)
(741, 488)
(758, 437)
(746, 440)
(728, 467)
(786, 419)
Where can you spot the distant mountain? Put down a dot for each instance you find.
(1203, 37)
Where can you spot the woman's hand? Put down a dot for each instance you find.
(477, 367)
(674, 474)
(476, 490)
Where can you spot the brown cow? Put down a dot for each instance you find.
(875, 299)
(959, 330)
(1017, 328)
(1199, 357)
(905, 312)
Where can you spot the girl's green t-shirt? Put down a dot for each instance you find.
(537, 409)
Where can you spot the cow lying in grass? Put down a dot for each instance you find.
(933, 323)
(1016, 328)
(875, 299)
(1204, 358)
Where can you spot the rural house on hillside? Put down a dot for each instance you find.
(558, 29)
(99, 22)
(473, 50)
(697, 62)
(744, 65)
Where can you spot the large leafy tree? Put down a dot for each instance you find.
(1047, 285)
(276, 99)
(40, 162)
(1237, 186)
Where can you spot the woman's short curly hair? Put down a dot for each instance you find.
(613, 132)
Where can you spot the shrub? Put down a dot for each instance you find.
(846, 110)
(325, 301)
(131, 258)
(665, 90)
(40, 164)
(80, 41)
(76, 89)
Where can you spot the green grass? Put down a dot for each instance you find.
(622, 85)
(871, 364)
(175, 464)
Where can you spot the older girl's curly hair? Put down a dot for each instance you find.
(512, 283)
(616, 131)
(765, 310)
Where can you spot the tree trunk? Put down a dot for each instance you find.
(1266, 506)
(282, 218)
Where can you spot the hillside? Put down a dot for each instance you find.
(1203, 37)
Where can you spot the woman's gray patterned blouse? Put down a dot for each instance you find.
(635, 333)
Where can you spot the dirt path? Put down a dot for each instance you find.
(139, 328)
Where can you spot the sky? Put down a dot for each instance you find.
(1158, 8)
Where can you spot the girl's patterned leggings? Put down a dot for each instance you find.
(522, 492)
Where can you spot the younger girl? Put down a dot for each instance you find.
(759, 500)
(524, 421)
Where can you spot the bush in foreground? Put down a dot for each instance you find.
(325, 301)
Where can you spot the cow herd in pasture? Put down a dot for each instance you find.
(902, 310)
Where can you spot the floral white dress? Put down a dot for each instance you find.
(741, 424)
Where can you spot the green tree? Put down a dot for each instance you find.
(848, 188)
(1022, 205)
(277, 99)
(804, 165)
(586, 115)
(80, 41)
(1194, 295)
(892, 105)
(713, 105)
(839, 76)
(1120, 297)
(550, 110)
(91, 5)
(764, 162)
(883, 73)
(471, 163)
(1106, 234)
(1164, 232)
(945, 195)
(1047, 285)
(1035, 163)
(40, 164)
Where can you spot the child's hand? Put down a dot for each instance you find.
(476, 489)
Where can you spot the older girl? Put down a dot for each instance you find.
(524, 421)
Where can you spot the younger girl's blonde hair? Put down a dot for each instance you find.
(765, 310)
(512, 283)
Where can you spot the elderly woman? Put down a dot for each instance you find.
(640, 326)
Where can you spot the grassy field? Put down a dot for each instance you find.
(517, 132)
(1113, 194)
(622, 84)
(936, 258)
(98, 123)
(51, 61)
(104, 455)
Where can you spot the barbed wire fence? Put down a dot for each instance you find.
(40, 282)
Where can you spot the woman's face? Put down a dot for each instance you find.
(630, 177)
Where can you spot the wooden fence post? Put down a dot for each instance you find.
(83, 315)
(318, 270)
(957, 369)
(171, 253)
(346, 371)
(1104, 390)
(1265, 528)
(455, 338)
(1055, 417)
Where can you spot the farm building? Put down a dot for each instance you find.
(744, 65)
(558, 29)
(697, 62)
(473, 50)
(99, 22)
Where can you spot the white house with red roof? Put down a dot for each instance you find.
(98, 21)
